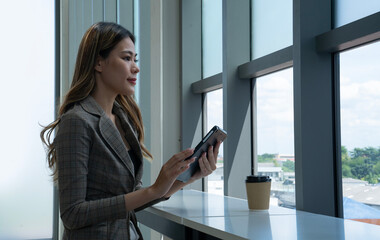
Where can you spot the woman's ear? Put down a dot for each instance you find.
(99, 64)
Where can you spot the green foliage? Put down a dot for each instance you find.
(288, 166)
(266, 157)
(361, 163)
(376, 168)
(346, 171)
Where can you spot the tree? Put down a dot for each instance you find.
(376, 168)
(346, 171)
(266, 157)
(288, 166)
(361, 163)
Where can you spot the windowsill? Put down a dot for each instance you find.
(229, 218)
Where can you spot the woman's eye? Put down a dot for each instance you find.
(127, 58)
(136, 60)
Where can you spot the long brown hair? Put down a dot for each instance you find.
(99, 40)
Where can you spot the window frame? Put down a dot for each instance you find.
(357, 33)
(313, 39)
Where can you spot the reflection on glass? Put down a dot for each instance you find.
(360, 131)
(347, 11)
(215, 117)
(26, 100)
(211, 37)
(272, 26)
(275, 134)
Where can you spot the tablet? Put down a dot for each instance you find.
(211, 138)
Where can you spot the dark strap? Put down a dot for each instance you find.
(134, 221)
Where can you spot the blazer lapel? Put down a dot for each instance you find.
(115, 142)
(109, 132)
(130, 136)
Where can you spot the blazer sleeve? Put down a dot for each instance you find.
(73, 144)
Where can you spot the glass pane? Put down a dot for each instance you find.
(360, 131)
(275, 134)
(26, 100)
(272, 26)
(215, 117)
(211, 37)
(347, 11)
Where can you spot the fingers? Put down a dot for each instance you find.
(184, 165)
(179, 157)
(211, 158)
(216, 148)
(205, 166)
(207, 163)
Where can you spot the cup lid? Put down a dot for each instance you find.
(253, 178)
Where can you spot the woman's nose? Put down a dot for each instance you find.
(135, 68)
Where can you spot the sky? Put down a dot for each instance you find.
(360, 97)
(359, 100)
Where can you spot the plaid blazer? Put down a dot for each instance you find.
(95, 171)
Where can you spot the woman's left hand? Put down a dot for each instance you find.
(207, 164)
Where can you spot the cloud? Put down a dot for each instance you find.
(360, 96)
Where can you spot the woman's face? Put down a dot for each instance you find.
(117, 73)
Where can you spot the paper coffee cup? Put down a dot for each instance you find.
(258, 192)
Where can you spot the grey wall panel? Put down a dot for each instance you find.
(191, 111)
(110, 10)
(145, 76)
(82, 14)
(236, 97)
(72, 39)
(64, 48)
(125, 14)
(171, 76)
(88, 14)
(98, 10)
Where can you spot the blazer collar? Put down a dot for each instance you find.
(90, 105)
(111, 135)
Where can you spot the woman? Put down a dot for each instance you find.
(97, 153)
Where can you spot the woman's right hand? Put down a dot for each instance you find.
(171, 170)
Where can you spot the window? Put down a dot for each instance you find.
(211, 37)
(272, 26)
(215, 117)
(347, 11)
(275, 134)
(27, 100)
(360, 131)
(211, 65)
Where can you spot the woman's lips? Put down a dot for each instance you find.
(132, 81)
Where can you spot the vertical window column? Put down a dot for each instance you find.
(314, 106)
(236, 97)
(191, 109)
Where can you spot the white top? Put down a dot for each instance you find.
(229, 218)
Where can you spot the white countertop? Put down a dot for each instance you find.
(229, 218)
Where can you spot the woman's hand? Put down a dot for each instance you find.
(207, 164)
(170, 171)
